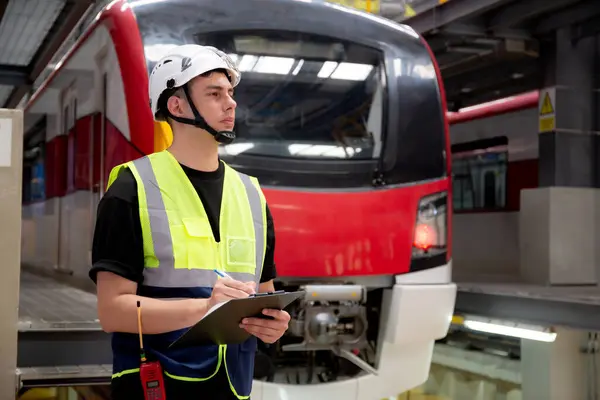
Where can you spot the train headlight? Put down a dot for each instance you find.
(431, 226)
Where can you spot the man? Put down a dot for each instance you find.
(167, 221)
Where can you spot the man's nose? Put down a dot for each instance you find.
(231, 103)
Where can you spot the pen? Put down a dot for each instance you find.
(222, 274)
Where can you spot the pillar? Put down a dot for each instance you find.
(554, 371)
(11, 161)
(558, 220)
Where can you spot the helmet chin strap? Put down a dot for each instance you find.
(224, 137)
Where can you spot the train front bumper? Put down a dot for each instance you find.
(414, 316)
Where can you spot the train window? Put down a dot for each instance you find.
(479, 174)
(34, 150)
(303, 96)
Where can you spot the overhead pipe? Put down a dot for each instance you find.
(497, 107)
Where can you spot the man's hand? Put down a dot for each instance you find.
(267, 330)
(227, 289)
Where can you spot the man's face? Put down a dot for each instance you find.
(213, 97)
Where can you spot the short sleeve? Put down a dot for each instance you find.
(269, 271)
(117, 244)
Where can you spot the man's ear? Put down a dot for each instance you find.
(176, 105)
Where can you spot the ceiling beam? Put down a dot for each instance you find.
(78, 8)
(13, 75)
(447, 13)
(503, 72)
(459, 29)
(71, 13)
(572, 15)
(523, 10)
(480, 30)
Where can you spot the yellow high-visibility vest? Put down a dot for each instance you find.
(175, 228)
(181, 253)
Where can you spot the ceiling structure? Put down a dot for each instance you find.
(31, 32)
(486, 49)
(490, 49)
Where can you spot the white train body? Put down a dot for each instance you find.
(486, 245)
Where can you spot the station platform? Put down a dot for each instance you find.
(60, 341)
(576, 307)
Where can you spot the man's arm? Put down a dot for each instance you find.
(117, 308)
(268, 286)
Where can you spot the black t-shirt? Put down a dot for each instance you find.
(118, 248)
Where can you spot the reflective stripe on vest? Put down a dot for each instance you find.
(164, 274)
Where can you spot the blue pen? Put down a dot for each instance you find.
(221, 274)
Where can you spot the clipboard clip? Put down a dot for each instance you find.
(267, 293)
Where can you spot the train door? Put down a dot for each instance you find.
(492, 187)
(489, 190)
(97, 144)
(67, 203)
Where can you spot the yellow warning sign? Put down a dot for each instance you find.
(409, 11)
(547, 110)
(547, 107)
(370, 6)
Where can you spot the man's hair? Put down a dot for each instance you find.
(178, 92)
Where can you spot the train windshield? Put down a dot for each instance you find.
(319, 105)
(303, 96)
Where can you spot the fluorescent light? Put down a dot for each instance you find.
(322, 150)
(352, 71)
(514, 331)
(274, 65)
(298, 67)
(247, 62)
(345, 71)
(327, 68)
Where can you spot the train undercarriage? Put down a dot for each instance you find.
(332, 335)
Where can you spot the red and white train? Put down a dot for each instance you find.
(495, 156)
(342, 117)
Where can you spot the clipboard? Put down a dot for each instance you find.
(221, 325)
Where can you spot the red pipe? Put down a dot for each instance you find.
(497, 107)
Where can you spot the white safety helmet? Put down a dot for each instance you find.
(179, 66)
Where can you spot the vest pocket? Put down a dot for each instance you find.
(201, 247)
(241, 254)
